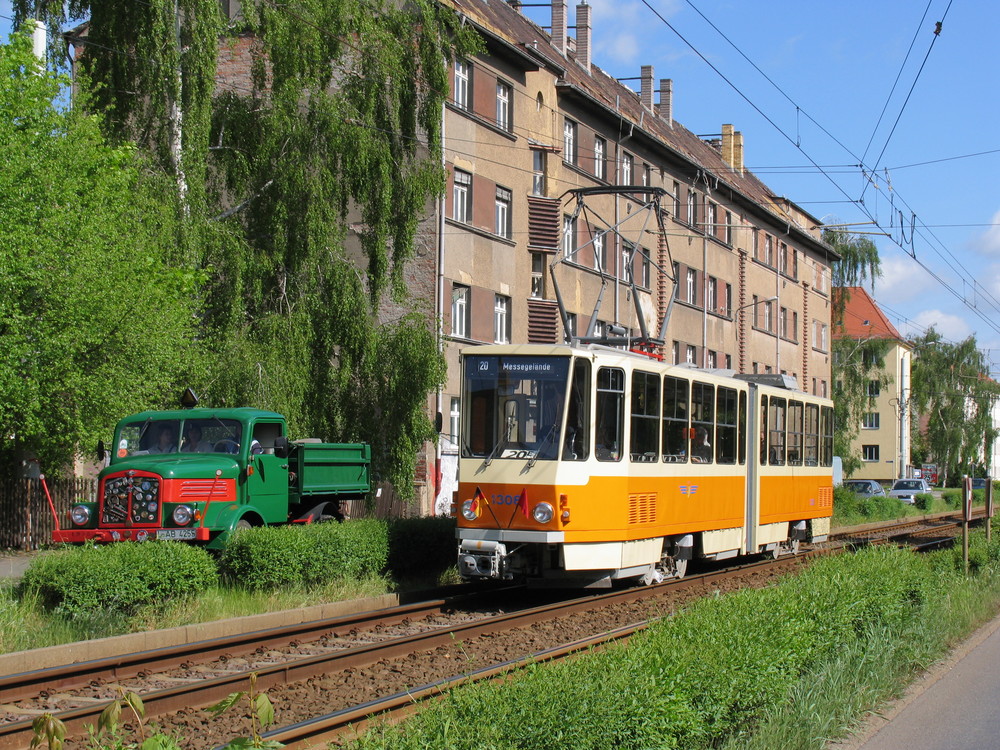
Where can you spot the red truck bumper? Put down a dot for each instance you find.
(78, 536)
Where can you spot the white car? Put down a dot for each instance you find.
(908, 489)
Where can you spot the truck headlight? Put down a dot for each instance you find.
(543, 513)
(182, 515)
(469, 511)
(79, 514)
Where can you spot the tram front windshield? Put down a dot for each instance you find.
(513, 406)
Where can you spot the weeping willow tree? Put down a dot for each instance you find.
(856, 363)
(951, 389)
(303, 187)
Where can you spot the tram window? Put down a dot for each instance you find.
(826, 432)
(742, 440)
(776, 431)
(763, 430)
(795, 433)
(576, 447)
(702, 422)
(610, 413)
(812, 435)
(645, 432)
(725, 428)
(675, 419)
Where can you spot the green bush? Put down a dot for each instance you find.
(117, 578)
(424, 547)
(271, 557)
(952, 497)
(923, 501)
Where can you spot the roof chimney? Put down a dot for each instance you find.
(667, 100)
(559, 25)
(583, 35)
(738, 151)
(646, 88)
(728, 142)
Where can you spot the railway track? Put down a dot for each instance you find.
(466, 639)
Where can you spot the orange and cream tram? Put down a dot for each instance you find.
(581, 465)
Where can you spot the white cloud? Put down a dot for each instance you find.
(902, 280)
(952, 327)
(988, 243)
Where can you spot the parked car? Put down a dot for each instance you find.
(908, 489)
(865, 487)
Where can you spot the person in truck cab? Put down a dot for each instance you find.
(165, 440)
(193, 442)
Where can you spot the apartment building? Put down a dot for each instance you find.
(883, 439)
(743, 273)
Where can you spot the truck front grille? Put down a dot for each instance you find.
(131, 501)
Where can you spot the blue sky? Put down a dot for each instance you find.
(831, 69)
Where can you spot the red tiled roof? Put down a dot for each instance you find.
(862, 317)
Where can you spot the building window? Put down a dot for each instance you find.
(504, 96)
(869, 421)
(569, 141)
(783, 322)
(647, 175)
(710, 217)
(644, 278)
(600, 163)
(460, 311)
(795, 263)
(874, 388)
(675, 353)
(869, 453)
(503, 212)
(769, 250)
(692, 287)
(501, 319)
(538, 172)
(600, 252)
(569, 236)
(729, 301)
(729, 227)
(785, 265)
(710, 361)
(755, 238)
(677, 280)
(677, 201)
(729, 361)
(794, 334)
(689, 356)
(712, 297)
(462, 78)
(767, 317)
(692, 208)
(453, 419)
(462, 197)
(538, 275)
(755, 306)
(627, 162)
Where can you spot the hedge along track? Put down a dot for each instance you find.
(189, 691)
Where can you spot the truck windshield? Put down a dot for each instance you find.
(158, 436)
(513, 406)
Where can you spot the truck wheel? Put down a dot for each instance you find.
(243, 524)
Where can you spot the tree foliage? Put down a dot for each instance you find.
(856, 363)
(950, 388)
(97, 310)
(319, 170)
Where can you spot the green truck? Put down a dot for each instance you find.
(199, 474)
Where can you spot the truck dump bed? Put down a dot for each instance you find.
(331, 468)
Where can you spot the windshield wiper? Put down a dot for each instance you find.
(501, 443)
(545, 441)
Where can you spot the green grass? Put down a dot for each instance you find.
(784, 668)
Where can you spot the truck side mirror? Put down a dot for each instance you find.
(281, 447)
(100, 450)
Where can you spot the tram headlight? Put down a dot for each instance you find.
(543, 513)
(469, 511)
(182, 515)
(79, 514)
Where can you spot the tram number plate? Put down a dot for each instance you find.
(518, 453)
(175, 534)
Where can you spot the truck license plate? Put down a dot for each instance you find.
(175, 534)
